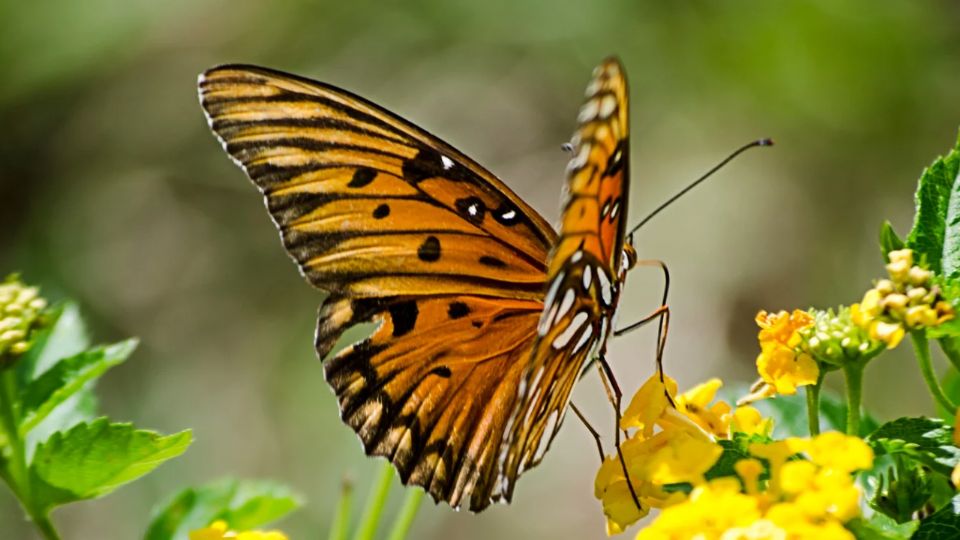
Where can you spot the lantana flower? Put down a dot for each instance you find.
(810, 494)
(219, 530)
(674, 442)
(783, 364)
(20, 309)
(908, 300)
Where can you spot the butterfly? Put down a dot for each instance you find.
(485, 316)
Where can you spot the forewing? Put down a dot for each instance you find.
(583, 271)
(367, 204)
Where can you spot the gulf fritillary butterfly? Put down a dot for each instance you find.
(486, 316)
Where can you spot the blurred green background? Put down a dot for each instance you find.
(113, 192)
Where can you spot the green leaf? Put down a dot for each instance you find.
(928, 441)
(733, 451)
(935, 236)
(66, 378)
(880, 527)
(93, 459)
(243, 504)
(944, 523)
(66, 336)
(889, 241)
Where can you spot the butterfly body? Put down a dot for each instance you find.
(484, 315)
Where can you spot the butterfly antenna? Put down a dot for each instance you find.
(695, 183)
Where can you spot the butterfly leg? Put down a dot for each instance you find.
(615, 396)
(662, 313)
(590, 428)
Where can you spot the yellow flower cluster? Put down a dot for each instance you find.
(682, 450)
(218, 530)
(810, 494)
(907, 301)
(783, 364)
(20, 308)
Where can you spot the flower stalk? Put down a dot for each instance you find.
(921, 348)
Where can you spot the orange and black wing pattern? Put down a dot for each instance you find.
(584, 271)
(405, 232)
(451, 266)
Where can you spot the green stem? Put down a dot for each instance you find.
(371, 514)
(17, 476)
(921, 347)
(853, 376)
(409, 511)
(341, 521)
(813, 406)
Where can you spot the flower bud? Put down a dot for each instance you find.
(20, 314)
(918, 276)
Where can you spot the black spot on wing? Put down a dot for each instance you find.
(457, 310)
(362, 177)
(404, 316)
(429, 250)
(472, 208)
(492, 261)
(441, 371)
(381, 211)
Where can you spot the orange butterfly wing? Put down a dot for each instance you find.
(586, 270)
(405, 232)
(456, 386)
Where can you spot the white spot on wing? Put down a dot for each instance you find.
(588, 111)
(447, 162)
(587, 277)
(606, 292)
(508, 215)
(577, 256)
(607, 105)
(565, 304)
(564, 337)
(583, 339)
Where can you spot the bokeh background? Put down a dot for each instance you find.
(113, 192)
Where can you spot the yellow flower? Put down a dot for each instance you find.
(218, 530)
(648, 404)
(909, 300)
(840, 452)
(668, 457)
(695, 403)
(797, 524)
(20, 314)
(711, 510)
(747, 419)
(683, 450)
(749, 470)
(782, 365)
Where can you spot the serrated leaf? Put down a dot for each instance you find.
(926, 440)
(889, 241)
(936, 227)
(67, 377)
(80, 407)
(243, 504)
(944, 523)
(93, 459)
